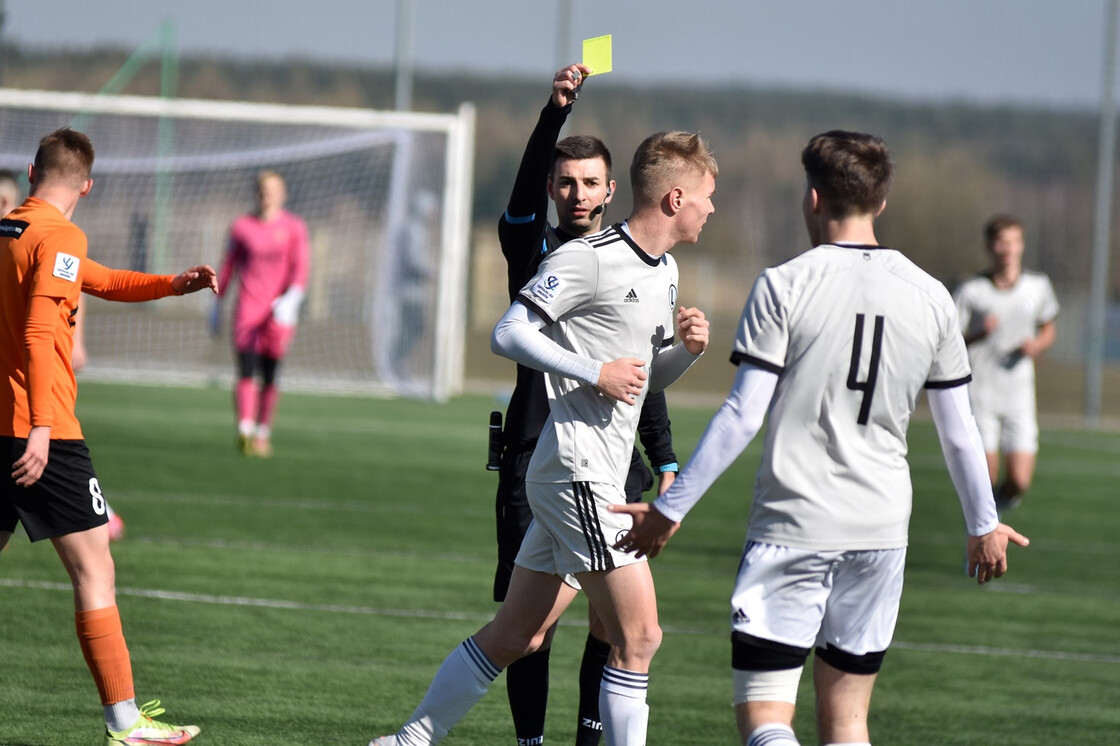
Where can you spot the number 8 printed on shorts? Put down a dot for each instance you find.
(98, 498)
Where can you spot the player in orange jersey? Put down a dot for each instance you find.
(52, 489)
(9, 200)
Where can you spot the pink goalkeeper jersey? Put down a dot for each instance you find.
(269, 257)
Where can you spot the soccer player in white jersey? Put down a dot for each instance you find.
(1007, 317)
(598, 318)
(835, 346)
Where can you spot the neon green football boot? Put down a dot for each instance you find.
(147, 731)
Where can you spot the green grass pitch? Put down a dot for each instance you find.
(310, 598)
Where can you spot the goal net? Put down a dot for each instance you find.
(386, 197)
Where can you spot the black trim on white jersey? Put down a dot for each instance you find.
(859, 246)
(597, 550)
(948, 384)
(528, 301)
(638, 250)
(742, 357)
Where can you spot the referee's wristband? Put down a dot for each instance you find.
(668, 467)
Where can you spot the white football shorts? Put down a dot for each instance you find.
(1009, 432)
(572, 530)
(807, 598)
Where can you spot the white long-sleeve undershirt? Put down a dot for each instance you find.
(730, 431)
(669, 365)
(518, 337)
(964, 455)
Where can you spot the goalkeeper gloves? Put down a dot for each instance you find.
(285, 309)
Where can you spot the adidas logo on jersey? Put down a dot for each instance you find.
(740, 617)
(631, 297)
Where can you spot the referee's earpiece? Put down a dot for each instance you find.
(595, 212)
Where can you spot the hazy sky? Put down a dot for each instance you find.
(1028, 51)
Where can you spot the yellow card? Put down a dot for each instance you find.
(597, 54)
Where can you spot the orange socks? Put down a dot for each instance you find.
(102, 641)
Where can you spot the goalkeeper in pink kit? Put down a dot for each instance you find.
(269, 252)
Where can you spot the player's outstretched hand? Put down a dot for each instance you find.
(566, 83)
(987, 554)
(622, 379)
(195, 279)
(649, 534)
(692, 329)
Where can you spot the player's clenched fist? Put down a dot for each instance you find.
(622, 379)
(692, 329)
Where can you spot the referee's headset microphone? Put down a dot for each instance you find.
(595, 211)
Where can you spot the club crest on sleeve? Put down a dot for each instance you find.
(547, 288)
(672, 297)
(66, 267)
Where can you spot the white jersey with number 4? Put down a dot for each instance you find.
(604, 298)
(855, 333)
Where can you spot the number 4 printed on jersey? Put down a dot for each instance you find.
(866, 386)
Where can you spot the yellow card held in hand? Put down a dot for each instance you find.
(597, 54)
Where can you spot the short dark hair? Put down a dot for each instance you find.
(851, 171)
(65, 154)
(998, 224)
(582, 148)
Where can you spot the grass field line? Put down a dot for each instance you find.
(165, 595)
(319, 425)
(287, 549)
(984, 650)
(298, 503)
(486, 509)
(1054, 465)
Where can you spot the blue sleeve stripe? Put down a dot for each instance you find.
(520, 221)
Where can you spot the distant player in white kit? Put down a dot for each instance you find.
(598, 318)
(836, 345)
(1007, 317)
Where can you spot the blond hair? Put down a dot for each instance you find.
(664, 159)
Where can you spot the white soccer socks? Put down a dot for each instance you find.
(622, 707)
(458, 685)
(121, 715)
(772, 734)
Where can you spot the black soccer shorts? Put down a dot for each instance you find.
(66, 499)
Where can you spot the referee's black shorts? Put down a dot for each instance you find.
(66, 499)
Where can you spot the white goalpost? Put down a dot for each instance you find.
(386, 196)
